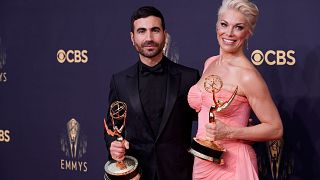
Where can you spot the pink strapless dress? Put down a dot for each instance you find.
(240, 159)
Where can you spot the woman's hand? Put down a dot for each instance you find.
(217, 131)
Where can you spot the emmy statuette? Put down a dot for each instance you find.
(128, 168)
(205, 149)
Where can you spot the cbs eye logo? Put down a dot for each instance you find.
(271, 57)
(72, 56)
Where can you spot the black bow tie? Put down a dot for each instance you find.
(158, 69)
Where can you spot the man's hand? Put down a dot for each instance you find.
(118, 149)
(137, 177)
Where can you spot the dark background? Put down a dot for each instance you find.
(39, 95)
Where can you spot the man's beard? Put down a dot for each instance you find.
(149, 53)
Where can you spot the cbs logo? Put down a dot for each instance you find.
(271, 57)
(4, 135)
(72, 56)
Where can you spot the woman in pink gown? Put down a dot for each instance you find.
(236, 21)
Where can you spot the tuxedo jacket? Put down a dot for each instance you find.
(164, 154)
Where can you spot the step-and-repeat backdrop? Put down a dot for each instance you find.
(56, 59)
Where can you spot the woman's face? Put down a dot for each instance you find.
(232, 31)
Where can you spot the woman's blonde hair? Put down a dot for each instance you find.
(246, 7)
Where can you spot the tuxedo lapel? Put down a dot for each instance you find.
(173, 84)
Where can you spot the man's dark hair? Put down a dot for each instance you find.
(144, 12)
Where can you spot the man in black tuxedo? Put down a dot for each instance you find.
(159, 119)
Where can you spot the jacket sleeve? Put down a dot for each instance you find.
(113, 96)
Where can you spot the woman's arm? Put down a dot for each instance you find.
(257, 93)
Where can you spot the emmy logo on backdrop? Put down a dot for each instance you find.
(205, 149)
(128, 168)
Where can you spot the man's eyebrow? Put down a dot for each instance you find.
(141, 28)
(156, 27)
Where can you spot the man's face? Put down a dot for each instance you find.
(148, 36)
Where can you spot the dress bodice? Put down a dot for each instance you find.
(236, 114)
